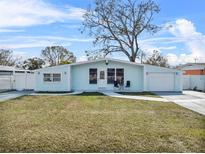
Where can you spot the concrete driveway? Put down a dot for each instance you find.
(192, 100)
(12, 94)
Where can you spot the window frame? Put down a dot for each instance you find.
(123, 74)
(59, 77)
(113, 75)
(95, 80)
(48, 77)
(51, 77)
(102, 75)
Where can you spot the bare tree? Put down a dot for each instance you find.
(56, 55)
(7, 58)
(117, 25)
(157, 59)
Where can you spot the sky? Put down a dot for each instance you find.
(28, 26)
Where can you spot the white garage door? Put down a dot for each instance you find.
(160, 81)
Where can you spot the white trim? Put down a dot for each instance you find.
(104, 59)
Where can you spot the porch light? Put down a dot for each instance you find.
(65, 73)
(106, 62)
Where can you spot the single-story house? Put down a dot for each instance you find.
(12, 78)
(193, 76)
(107, 75)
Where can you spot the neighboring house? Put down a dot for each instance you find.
(12, 78)
(107, 74)
(193, 76)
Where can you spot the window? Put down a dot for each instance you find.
(102, 75)
(120, 75)
(56, 77)
(93, 76)
(110, 75)
(47, 78)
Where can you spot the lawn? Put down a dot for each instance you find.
(148, 94)
(97, 123)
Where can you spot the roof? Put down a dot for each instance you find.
(48, 67)
(106, 59)
(192, 66)
(11, 68)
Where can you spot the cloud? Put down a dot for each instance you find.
(20, 13)
(162, 40)
(21, 55)
(149, 47)
(185, 40)
(82, 58)
(185, 30)
(10, 30)
(180, 59)
(33, 44)
(20, 42)
(167, 48)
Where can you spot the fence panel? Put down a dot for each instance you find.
(6, 82)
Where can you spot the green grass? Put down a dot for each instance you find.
(148, 94)
(98, 124)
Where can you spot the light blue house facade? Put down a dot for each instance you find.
(107, 75)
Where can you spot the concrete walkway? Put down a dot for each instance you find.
(12, 94)
(192, 100)
(113, 94)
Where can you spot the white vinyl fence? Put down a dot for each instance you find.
(194, 81)
(6, 82)
(18, 81)
(24, 81)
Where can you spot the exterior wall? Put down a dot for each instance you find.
(75, 77)
(154, 69)
(63, 85)
(80, 76)
(194, 72)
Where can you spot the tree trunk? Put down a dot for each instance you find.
(132, 59)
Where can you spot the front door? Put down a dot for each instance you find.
(102, 80)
